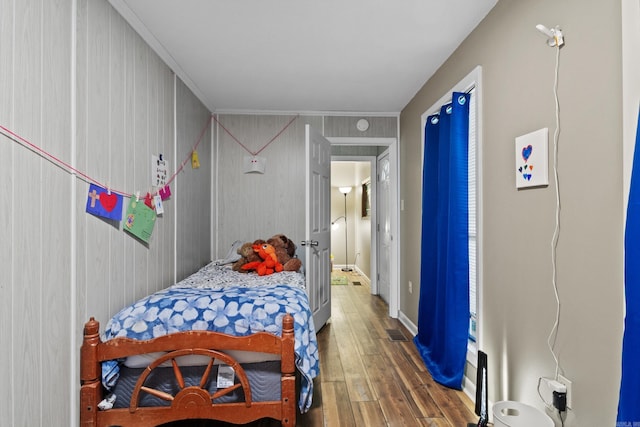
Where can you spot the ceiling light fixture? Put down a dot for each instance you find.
(362, 125)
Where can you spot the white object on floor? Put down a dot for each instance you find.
(516, 414)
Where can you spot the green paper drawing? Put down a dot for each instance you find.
(140, 220)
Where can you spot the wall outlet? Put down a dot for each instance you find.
(567, 384)
(410, 287)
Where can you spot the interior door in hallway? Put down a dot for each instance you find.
(383, 227)
(318, 233)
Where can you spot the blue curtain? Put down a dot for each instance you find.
(629, 402)
(443, 316)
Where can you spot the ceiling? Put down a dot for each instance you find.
(366, 56)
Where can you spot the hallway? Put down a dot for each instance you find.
(368, 379)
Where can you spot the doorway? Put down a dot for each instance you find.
(369, 151)
(352, 216)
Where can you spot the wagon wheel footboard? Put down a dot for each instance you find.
(191, 396)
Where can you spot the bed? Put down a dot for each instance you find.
(219, 345)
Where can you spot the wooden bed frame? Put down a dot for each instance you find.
(190, 402)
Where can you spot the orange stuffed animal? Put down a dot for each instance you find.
(269, 263)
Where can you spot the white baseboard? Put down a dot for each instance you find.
(407, 323)
(469, 388)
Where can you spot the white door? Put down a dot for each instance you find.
(318, 233)
(383, 227)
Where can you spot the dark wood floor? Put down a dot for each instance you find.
(367, 379)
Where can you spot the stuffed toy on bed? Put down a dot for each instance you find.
(285, 250)
(247, 255)
(269, 263)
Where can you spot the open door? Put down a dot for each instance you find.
(318, 233)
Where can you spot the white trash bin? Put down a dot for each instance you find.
(516, 414)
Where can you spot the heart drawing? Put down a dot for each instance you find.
(526, 152)
(108, 201)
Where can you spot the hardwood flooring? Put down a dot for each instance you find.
(367, 379)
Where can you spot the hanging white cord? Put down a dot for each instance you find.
(554, 241)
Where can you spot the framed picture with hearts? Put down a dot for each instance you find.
(104, 203)
(532, 159)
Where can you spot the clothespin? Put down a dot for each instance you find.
(108, 188)
(161, 159)
(165, 192)
(137, 196)
(195, 161)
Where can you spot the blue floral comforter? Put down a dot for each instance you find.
(235, 309)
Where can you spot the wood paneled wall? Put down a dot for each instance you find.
(78, 82)
(193, 200)
(260, 205)
(345, 126)
(125, 114)
(35, 248)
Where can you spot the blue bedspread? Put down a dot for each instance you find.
(235, 310)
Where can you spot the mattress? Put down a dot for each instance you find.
(264, 378)
(144, 360)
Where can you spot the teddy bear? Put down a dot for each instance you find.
(285, 251)
(247, 255)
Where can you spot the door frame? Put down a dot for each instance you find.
(394, 208)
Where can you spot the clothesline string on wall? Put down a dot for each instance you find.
(19, 139)
(84, 176)
(264, 146)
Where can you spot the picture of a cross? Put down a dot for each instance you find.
(94, 196)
